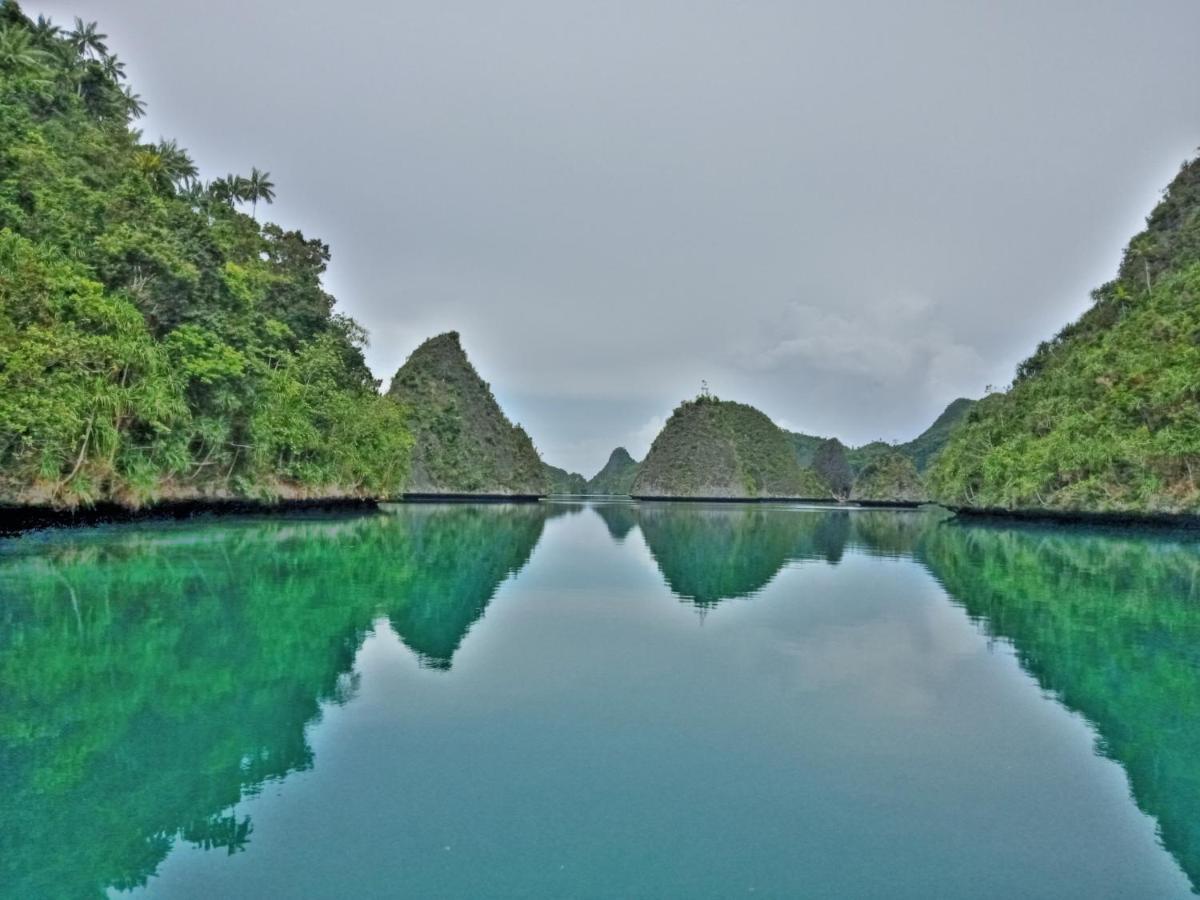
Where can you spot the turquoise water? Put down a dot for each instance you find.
(606, 700)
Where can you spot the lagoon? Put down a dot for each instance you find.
(605, 699)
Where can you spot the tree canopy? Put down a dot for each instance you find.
(155, 341)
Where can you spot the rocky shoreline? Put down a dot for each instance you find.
(1077, 517)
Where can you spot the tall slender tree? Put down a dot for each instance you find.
(113, 67)
(231, 189)
(44, 29)
(134, 106)
(177, 165)
(259, 187)
(87, 40)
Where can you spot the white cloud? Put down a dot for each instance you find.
(901, 339)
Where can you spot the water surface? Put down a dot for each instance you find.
(612, 699)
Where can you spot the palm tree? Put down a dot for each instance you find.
(44, 30)
(193, 190)
(231, 189)
(87, 39)
(17, 52)
(220, 189)
(177, 165)
(153, 167)
(113, 67)
(134, 106)
(259, 187)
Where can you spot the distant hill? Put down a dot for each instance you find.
(805, 446)
(860, 457)
(617, 475)
(831, 464)
(560, 481)
(716, 448)
(889, 477)
(463, 443)
(923, 448)
(1105, 416)
(920, 449)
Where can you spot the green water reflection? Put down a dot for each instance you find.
(1109, 623)
(152, 676)
(155, 676)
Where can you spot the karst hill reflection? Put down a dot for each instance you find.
(1108, 622)
(713, 552)
(157, 675)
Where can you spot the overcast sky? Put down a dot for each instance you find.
(846, 214)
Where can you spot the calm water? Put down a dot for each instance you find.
(605, 700)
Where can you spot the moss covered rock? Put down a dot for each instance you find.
(719, 449)
(464, 444)
(889, 478)
(617, 476)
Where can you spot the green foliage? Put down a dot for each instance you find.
(617, 476)
(464, 444)
(889, 477)
(833, 468)
(805, 446)
(560, 481)
(921, 450)
(155, 675)
(155, 342)
(1106, 417)
(716, 448)
(1108, 622)
(925, 447)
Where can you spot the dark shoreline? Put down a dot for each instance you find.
(1075, 517)
(469, 498)
(821, 501)
(16, 520)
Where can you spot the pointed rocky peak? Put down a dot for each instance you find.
(712, 448)
(617, 475)
(463, 442)
(621, 457)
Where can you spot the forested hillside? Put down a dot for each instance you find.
(921, 450)
(716, 448)
(1105, 416)
(617, 475)
(890, 477)
(464, 444)
(924, 448)
(560, 481)
(158, 341)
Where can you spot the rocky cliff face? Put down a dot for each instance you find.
(463, 443)
(714, 448)
(617, 476)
